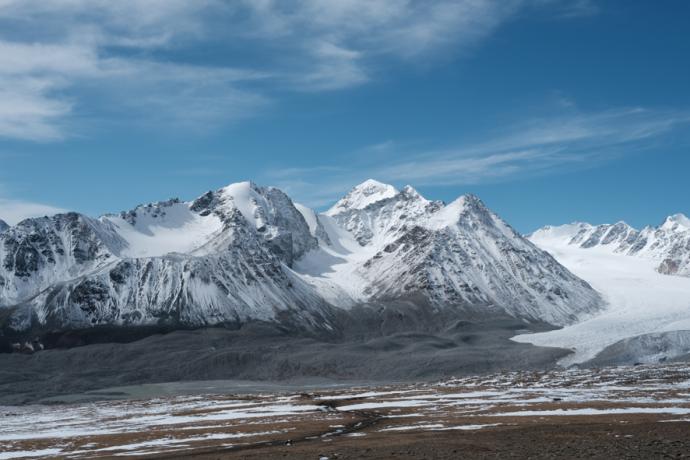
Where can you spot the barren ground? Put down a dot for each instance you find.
(633, 412)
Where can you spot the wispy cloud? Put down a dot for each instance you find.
(535, 147)
(540, 145)
(60, 59)
(36, 83)
(14, 211)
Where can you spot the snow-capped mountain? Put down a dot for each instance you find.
(223, 257)
(246, 252)
(668, 244)
(3, 226)
(392, 244)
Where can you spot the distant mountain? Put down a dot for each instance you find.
(669, 243)
(3, 225)
(246, 252)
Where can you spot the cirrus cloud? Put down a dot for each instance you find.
(567, 142)
(131, 60)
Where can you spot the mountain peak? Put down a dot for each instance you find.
(237, 186)
(372, 183)
(3, 225)
(411, 192)
(675, 221)
(368, 192)
(472, 199)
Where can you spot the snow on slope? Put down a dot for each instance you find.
(667, 244)
(164, 228)
(458, 256)
(361, 196)
(640, 299)
(247, 252)
(676, 221)
(223, 257)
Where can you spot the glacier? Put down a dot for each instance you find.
(644, 305)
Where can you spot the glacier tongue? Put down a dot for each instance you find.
(639, 299)
(246, 252)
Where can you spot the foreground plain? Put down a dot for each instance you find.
(636, 412)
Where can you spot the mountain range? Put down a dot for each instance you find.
(668, 244)
(245, 252)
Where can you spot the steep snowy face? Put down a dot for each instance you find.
(268, 214)
(676, 222)
(464, 255)
(363, 195)
(386, 218)
(459, 255)
(669, 244)
(3, 226)
(314, 222)
(37, 253)
(161, 228)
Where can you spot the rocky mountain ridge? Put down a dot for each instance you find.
(246, 252)
(668, 243)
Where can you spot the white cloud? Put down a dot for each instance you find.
(14, 211)
(535, 147)
(343, 42)
(61, 56)
(27, 111)
(334, 68)
(57, 56)
(35, 78)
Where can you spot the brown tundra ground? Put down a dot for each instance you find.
(625, 412)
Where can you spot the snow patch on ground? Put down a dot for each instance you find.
(385, 404)
(590, 411)
(29, 454)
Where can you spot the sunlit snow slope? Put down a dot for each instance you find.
(640, 299)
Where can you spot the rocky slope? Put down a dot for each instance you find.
(3, 226)
(398, 245)
(246, 252)
(668, 244)
(223, 257)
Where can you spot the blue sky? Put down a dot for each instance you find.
(550, 110)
